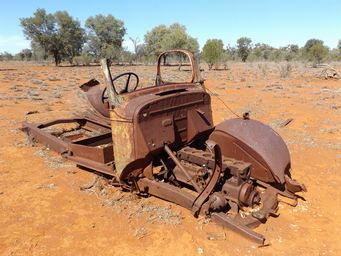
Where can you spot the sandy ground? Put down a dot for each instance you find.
(43, 210)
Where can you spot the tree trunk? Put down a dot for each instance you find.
(71, 60)
(57, 58)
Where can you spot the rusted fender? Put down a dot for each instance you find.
(94, 93)
(254, 142)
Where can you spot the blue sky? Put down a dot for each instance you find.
(277, 23)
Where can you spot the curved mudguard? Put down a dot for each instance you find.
(94, 94)
(254, 142)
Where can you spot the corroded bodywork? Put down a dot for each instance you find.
(161, 141)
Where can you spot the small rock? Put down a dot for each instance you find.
(216, 236)
(49, 186)
(335, 106)
(53, 78)
(33, 93)
(200, 250)
(36, 81)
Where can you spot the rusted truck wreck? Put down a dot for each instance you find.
(161, 141)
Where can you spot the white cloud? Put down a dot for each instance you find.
(13, 43)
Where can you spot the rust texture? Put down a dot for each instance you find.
(236, 166)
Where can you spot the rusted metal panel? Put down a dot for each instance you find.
(95, 95)
(94, 152)
(257, 143)
(123, 142)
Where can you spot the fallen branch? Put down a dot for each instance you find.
(328, 72)
(286, 122)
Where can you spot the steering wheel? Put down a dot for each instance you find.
(127, 87)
